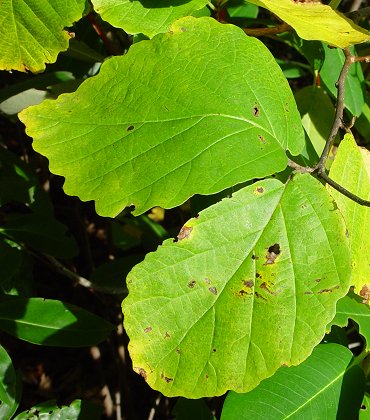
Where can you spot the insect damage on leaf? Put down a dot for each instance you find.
(272, 253)
(184, 233)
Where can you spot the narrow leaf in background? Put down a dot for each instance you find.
(52, 323)
(311, 390)
(250, 285)
(225, 114)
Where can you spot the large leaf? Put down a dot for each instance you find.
(311, 390)
(9, 386)
(316, 21)
(145, 16)
(31, 32)
(351, 169)
(352, 307)
(354, 98)
(250, 285)
(193, 111)
(52, 322)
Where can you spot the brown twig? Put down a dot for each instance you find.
(363, 59)
(274, 30)
(338, 123)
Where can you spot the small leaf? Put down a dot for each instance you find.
(316, 21)
(9, 386)
(78, 409)
(311, 390)
(31, 33)
(249, 287)
(351, 169)
(145, 16)
(352, 307)
(317, 112)
(45, 234)
(52, 323)
(155, 138)
(354, 98)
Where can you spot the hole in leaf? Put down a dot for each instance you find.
(130, 128)
(256, 111)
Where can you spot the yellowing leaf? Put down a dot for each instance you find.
(351, 169)
(31, 32)
(316, 21)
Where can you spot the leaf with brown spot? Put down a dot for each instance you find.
(241, 324)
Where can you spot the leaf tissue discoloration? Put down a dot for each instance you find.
(365, 293)
(184, 233)
(148, 329)
(272, 253)
(192, 284)
(213, 290)
(141, 372)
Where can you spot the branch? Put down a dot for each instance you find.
(338, 120)
(338, 123)
(274, 30)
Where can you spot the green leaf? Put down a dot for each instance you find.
(31, 33)
(145, 16)
(317, 112)
(9, 386)
(18, 183)
(351, 169)
(365, 408)
(311, 390)
(49, 410)
(16, 269)
(52, 323)
(186, 125)
(352, 307)
(354, 92)
(45, 234)
(249, 285)
(316, 21)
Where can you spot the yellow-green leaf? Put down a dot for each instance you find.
(351, 169)
(316, 21)
(31, 32)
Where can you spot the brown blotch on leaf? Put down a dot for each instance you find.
(207, 376)
(183, 29)
(141, 372)
(192, 284)
(130, 128)
(258, 275)
(317, 280)
(308, 293)
(254, 257)
(347, 233)
(213, 290)
(166, 378)
(262, 139)
(148, 329)
(214, 350)
(248, 283)
(329, 290)
(264, 286)
(272, 253)
(207, 280)
(258, 296)
(184, 233)
(166, 335)
(178, 351)
(256, 111)
(365, 294)
(259, 190)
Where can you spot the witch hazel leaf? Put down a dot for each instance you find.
(250, 285)
(313, 20)
(351, 169)
(196, 110)
(145, 16)
(32, 32)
